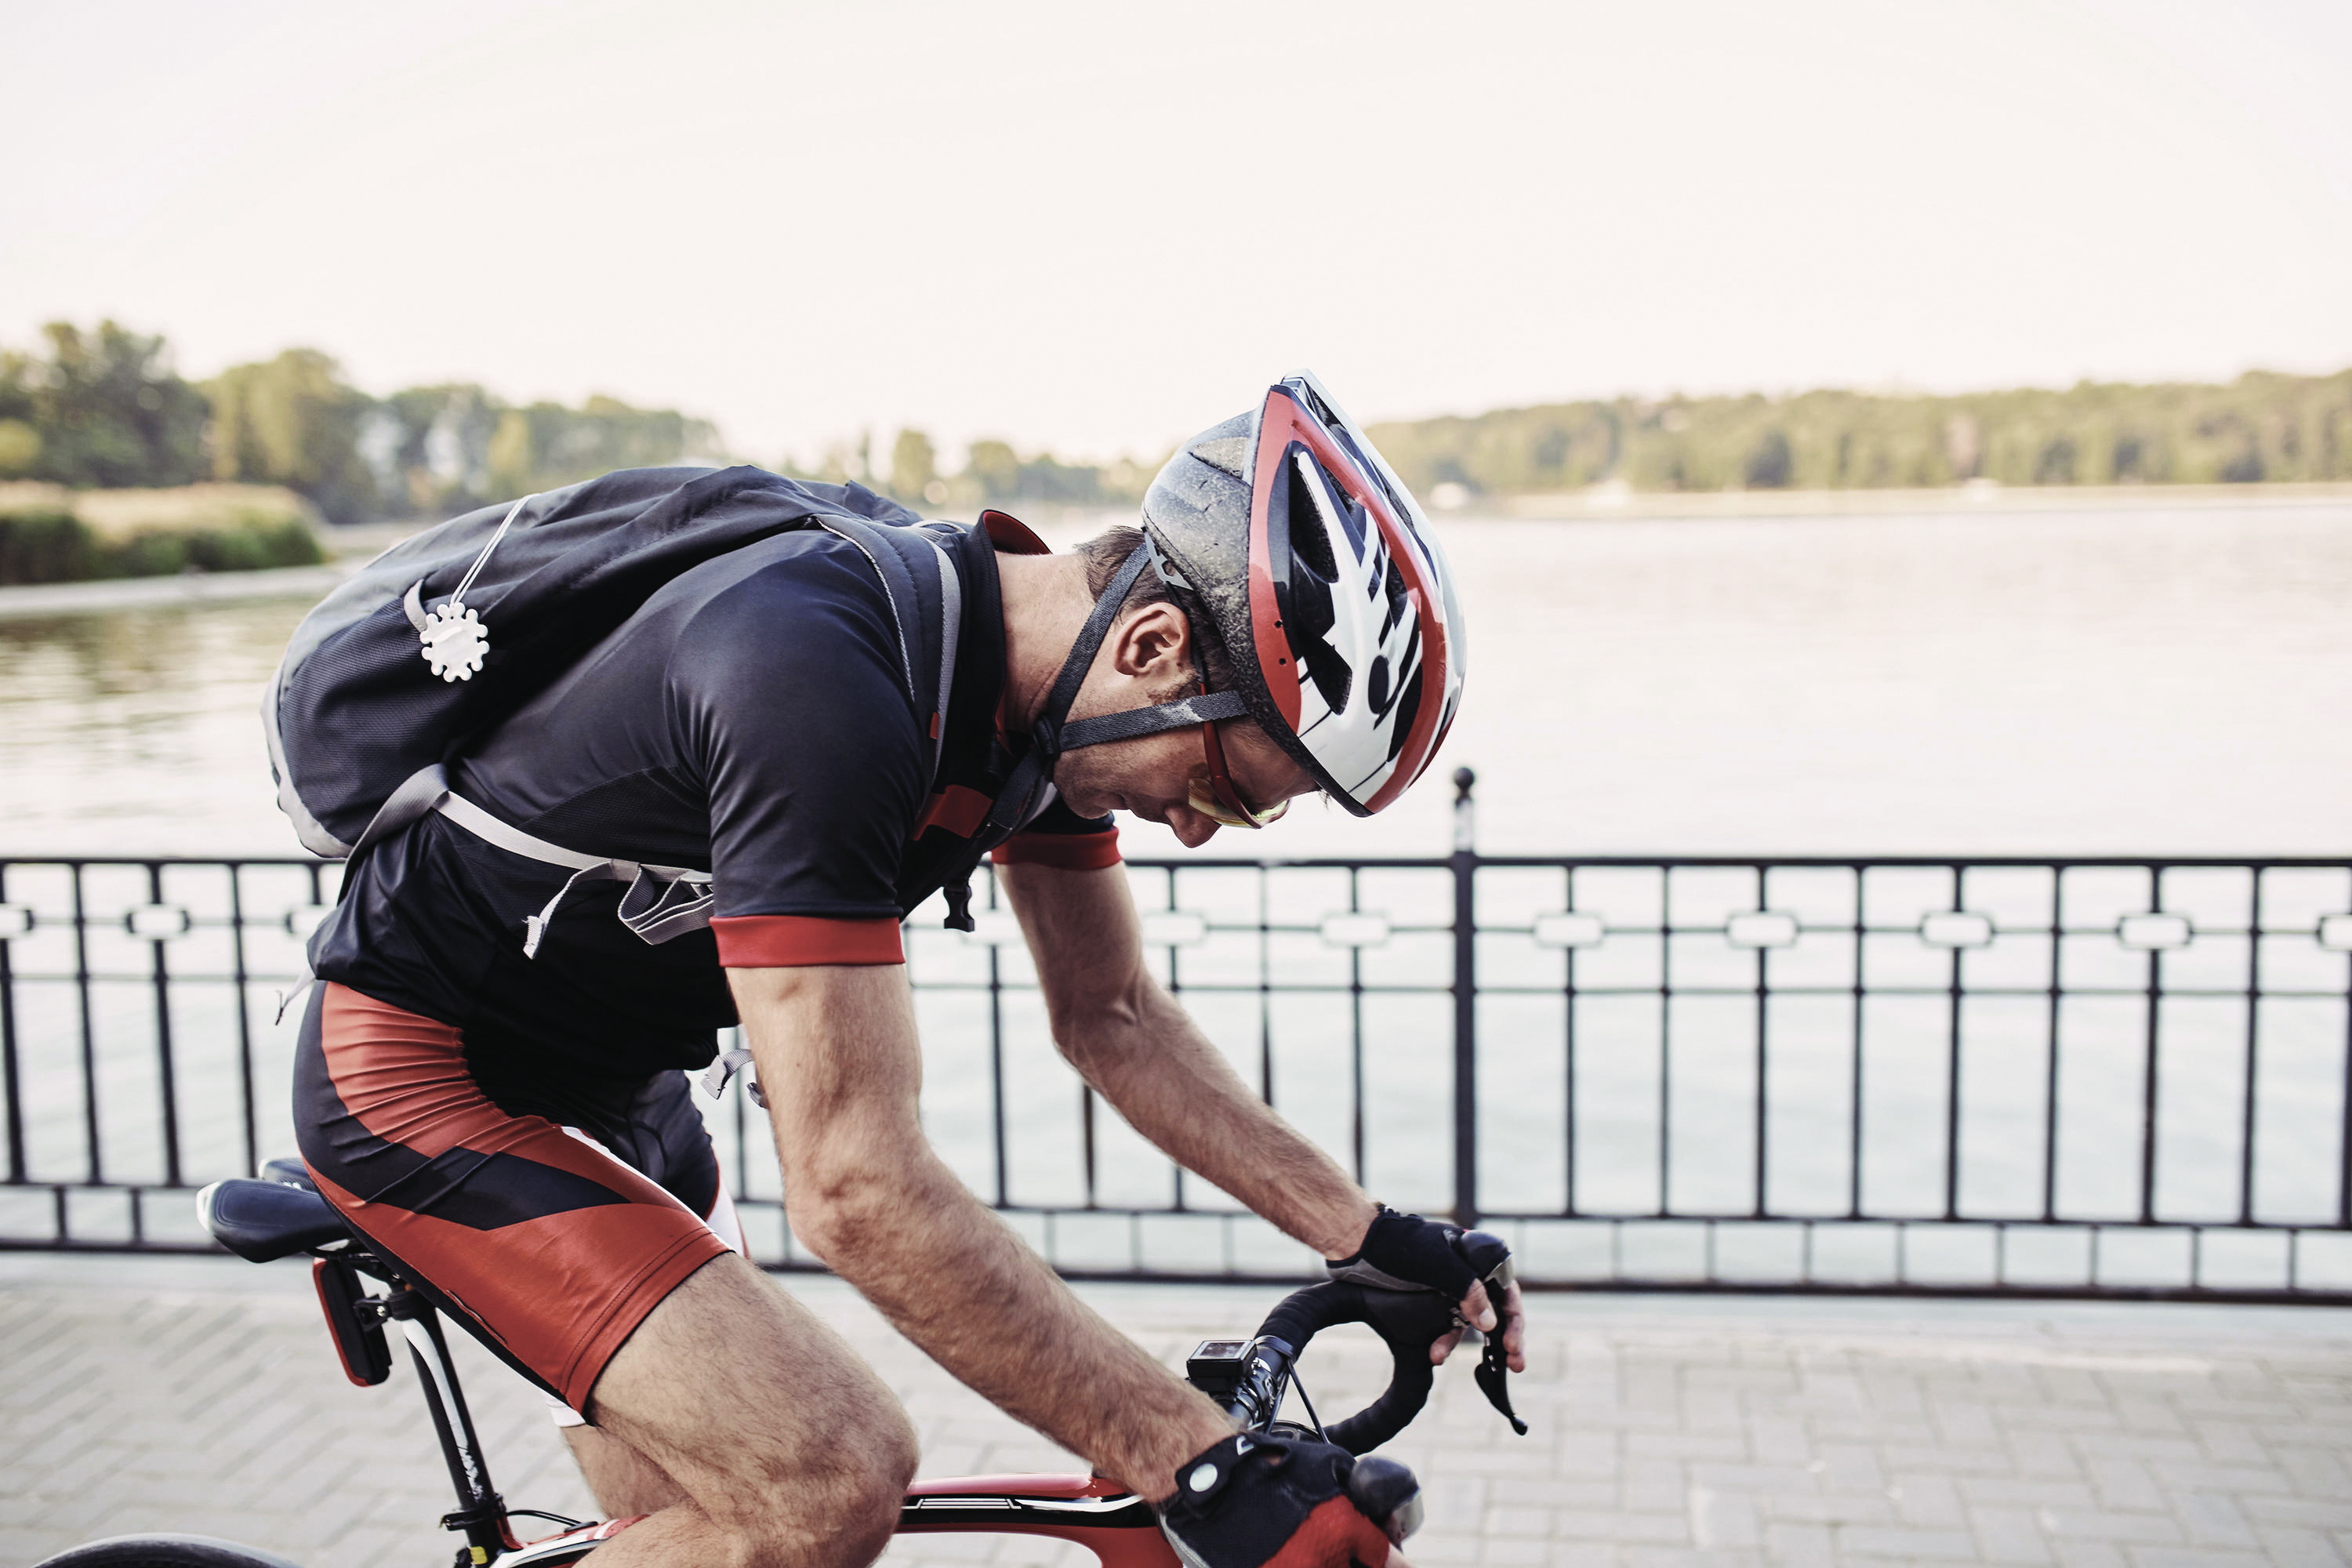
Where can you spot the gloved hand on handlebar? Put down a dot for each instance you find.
(1256, 1500)
(1406, 1252)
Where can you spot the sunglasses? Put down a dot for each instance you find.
(1215, 797)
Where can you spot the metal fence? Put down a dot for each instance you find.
(1989, 1076)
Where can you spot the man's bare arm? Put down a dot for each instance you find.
(838, 1058)
(1130, 1040)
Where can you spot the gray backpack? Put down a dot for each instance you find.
(442, 636)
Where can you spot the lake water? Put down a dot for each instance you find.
(2141, 680)
(2122, 680)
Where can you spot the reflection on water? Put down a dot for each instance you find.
(136, 731)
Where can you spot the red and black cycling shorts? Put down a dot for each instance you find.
(550, 1221)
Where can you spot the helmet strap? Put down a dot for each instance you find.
(1052, 734)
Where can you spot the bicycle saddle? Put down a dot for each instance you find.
(259, 1221)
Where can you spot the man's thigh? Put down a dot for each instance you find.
(757, 1408)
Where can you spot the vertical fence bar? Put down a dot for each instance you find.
(1665, 1038)
(10, 1091)
(167, 1077)
(1568, 1052)
(2253, 1048)
(2148, 1084)
(1763, 1012)
(2344, 1138)
(2049, 1062)
(243, 1020)
(1464, 865)
(996, 1054)
(1854, 1130)
(1087, 1132)
(1952, 1075)
(1176, 990)
(1356, 1035)
(1265, 988)
(96, 1164)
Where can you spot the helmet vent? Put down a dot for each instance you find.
(1311, 542)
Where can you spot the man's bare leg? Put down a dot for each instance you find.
(791, 1452)
(624, 1481)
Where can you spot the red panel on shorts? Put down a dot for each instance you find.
(561, 1290)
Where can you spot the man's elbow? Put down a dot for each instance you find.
(843, 1209)
(1096, 1025)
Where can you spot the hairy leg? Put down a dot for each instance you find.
(790, 1451)
(624, 1480)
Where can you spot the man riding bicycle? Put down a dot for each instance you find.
(505, 1115)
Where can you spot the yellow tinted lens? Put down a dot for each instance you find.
(1202, 798)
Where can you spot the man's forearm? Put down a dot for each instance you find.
(955, 1280)
(1152, 1063)
(864, 1189)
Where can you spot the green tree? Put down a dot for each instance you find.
(104, 409)
(440, 448)
(913, 466)
(292, 421)
(996, 469)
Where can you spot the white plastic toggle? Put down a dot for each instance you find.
(1203, 1478)
(455, 641)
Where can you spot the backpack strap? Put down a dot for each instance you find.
(927, 602)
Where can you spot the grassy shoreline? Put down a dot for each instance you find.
(50, 534)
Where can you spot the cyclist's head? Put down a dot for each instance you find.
(1306, 576)
(1194, 778)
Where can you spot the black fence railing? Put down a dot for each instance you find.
(2033, 1076)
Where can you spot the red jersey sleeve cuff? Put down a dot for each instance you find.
(784, 941)
(1063, 851)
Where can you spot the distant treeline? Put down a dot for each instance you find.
(104, 409)
(993, 475)
(2261, 426)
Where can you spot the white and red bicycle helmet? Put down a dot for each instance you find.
(1326, 585)
(1321, 579)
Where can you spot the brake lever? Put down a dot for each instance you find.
(1494, 1369)
(1492, 1373)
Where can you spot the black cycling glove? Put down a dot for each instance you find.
(1256, 1500)
(1406, 1252)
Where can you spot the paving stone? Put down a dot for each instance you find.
(1669, 1433)
(1906, 1546)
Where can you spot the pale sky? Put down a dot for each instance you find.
(1100, 228)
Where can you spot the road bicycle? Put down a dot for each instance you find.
(281, 1214)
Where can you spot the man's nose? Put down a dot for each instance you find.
(1192, 828)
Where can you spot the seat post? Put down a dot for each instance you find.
(481, 1513)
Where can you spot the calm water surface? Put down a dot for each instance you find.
(2125, 681)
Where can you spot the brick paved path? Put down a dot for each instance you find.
(201, 1395)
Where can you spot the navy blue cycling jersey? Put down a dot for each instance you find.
(751, 719)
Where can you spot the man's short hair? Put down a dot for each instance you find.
(1106, 552)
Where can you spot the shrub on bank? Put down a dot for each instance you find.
(43, 540)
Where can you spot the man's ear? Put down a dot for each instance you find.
(1154, 644)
